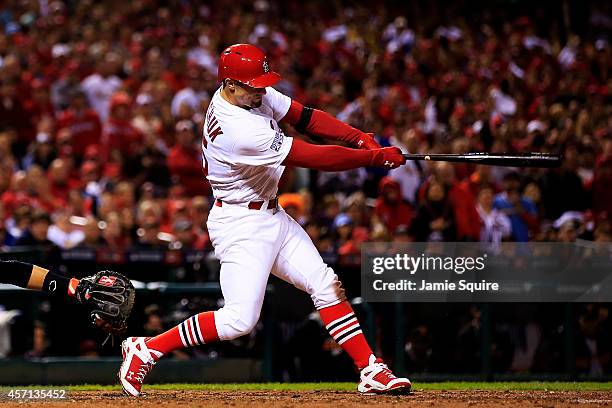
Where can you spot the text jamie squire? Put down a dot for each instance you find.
(425, 286)
(414, 264)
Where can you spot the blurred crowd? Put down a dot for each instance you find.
(102, 105)
(101, 112)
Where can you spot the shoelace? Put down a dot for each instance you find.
(385, 371)
(144, 370)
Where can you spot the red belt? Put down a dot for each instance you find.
(255, 205)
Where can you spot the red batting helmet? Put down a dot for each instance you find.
(247, 64)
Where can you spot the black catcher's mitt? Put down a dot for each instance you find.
(109, 298)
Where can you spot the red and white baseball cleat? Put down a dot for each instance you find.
(138, 360)
(377, 378)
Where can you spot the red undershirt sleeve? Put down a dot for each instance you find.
(323, 124)
(293, 114)
(326, 158)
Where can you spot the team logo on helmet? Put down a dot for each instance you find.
(107, 281)
(266, 67)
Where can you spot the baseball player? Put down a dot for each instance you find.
(244, 155)
(107, 295)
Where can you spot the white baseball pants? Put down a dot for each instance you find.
(251, 244)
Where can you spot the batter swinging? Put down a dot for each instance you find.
(244, 154)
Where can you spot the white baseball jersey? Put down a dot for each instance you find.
(243, 149)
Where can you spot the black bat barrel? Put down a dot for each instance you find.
(545, 160)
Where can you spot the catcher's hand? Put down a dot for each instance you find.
(109, 298)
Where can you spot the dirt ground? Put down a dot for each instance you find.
(335, 399)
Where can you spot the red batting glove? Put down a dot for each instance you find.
(387, 157)
(366, 141)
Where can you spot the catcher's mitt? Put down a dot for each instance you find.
(109, 298)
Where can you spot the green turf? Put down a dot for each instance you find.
(498, 386)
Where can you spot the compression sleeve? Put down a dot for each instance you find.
(15, 273)
(326, 158)
(293, 114)
(320, 123)
(29, 276)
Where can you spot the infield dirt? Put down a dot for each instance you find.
(335, 399)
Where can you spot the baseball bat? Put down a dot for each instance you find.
(547, 160)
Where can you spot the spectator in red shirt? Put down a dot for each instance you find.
(82, 122)
(176, 209)
(481, 177)
(39, 104)
(59, 179)
(16, 192)
(462, 201)
(40, 193)
(119, 135)
(390, 208)
(113, 233)
(14, 116)
(185, 161)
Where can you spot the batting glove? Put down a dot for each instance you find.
(387, 157)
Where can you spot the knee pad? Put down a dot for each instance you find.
(236, 320)
(328, 290)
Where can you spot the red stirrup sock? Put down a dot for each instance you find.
(342, 324)
(197, 330)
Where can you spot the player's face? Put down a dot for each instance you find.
(247, 96)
